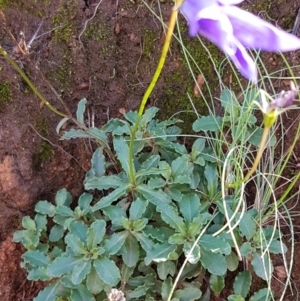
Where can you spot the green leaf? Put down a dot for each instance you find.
(191, 271)
(217, 283)
(188, 294)
(262, 266)
(137, 208)
(242, 283)
(107, 271)
(137, 293)
(115, 214)
(80, 271)
(139, 225)
(177, 238)
(126, 272)
(131, 116)
(146, 243)
(189, 206)
(104, 182)
(166, 289)
(247, 225)
(61, 123)
(81, 294)
(211, 176)
(85, 201)
(36, 258)
(151, 162)
(44, 207)
(230, 103)
(80, 111)
(56, 233)
(277, 247)
(41, 222)
(38, 274)
(214, 244)
(112, 124)
(263, 294)
(156, 197)
(65, 211)
(148, 115)
(165, 268)
(192, 254)
(198, 146)
(93, 283)
(254, 137)
(130, 251)
(246, 249)
(122, 151)
(208, 123)
(159, 234)
(159, 253)
(156, 183)
(74, 134)
(98, 135)
(95, 233)
(98, 163)
(79, 229)
(113, 196)
(215, 263)
(48, 293)
(115, 242)
(169, 215)
(62, 265)
(75, 244)
(28, 239)
(198, 223)
(235, 298)
(232, 261)
(63, 197)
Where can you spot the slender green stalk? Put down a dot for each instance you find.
(30, 84)
(152, 84)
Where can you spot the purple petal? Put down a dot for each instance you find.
(244, 63)
(230, 2)
(256, 33)
(285, 99)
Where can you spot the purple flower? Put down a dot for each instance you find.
(285, 99)
(233, 29)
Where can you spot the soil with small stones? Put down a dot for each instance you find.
(101, 54)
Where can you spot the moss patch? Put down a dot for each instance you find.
(5, 93)
(65, 18)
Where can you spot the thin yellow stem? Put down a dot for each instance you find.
(260, 151)
(152, 84)
(30, 84)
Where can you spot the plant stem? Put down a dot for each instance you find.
(259, 153)
(152, 84)
(30, 84)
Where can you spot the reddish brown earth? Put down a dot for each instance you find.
(110, 62)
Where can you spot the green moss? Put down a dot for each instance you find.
(64, 17)
(180, 82)
(148, 38)
(5, 93)
(61, 76)
(26, 6)
(97, 31)
(4, 4)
